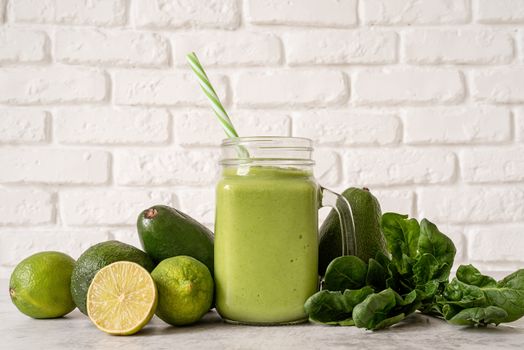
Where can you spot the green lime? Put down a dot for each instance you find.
(39, 285)
(97, 257)
(122, 298)
(185, 290)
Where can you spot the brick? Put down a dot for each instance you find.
(188, 13)
(25, 207)
(409, 12)
(22, 126)
(488, 164)
(501, 85)
(472, 204)
(391, 86)
(3, 4)
(227, 48)
(434, 46)
(200, 128)
(386, 167)
(108, 206)
(160, 167)
(519, 123)
(520, 45)
(108, 125)
(483, 124)
(53, 166)
(328, 170)
(341, 128)
(500, 11)
(397, 201)
(328, 13)
(161, 88)
(22, 45)
(51, 85)
(16, 245)
(116, 47)
(199, 203)
(81, 12)
(340, 47)
(495, 243)
(290, 88)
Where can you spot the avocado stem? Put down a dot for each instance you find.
(150, 213)
(12, 292)
(365, 189)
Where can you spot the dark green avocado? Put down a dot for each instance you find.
(369, 239)
(166, 232)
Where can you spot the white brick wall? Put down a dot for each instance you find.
(408, 12)
(100, 117)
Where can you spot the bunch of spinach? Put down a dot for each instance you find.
(475, 299)
(415, 276)
(387, 289)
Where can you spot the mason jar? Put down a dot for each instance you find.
(266, 229)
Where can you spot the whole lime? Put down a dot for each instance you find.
(97, 257)
(185, 290)
(39, 285)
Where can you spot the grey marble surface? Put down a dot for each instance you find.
(75, 331)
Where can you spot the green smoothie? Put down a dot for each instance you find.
(266, 244)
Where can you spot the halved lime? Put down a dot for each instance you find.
(122, 298)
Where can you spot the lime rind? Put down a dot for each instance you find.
(40, 285)
(185, 290)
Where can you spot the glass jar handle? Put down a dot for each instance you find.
(345, 216)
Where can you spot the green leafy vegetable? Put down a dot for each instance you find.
(387, 289)
(345, 272)
(475, 299)
(421, 258)
(335, 308)
(479, 316)
(383, 309)
(377, 273)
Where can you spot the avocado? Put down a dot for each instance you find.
(369, 239)
(166, 232)
(98, 256)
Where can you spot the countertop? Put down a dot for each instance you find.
(75, 331)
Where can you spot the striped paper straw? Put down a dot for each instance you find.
(206, 86)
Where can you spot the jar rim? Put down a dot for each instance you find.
(267, 150)
(304, 142)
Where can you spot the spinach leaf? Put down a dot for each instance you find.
(383, 309)
(345, 272)
(470, 275)
(422, 257)
(377, 275)
(479, 316)
(514, 280)
(463, 294)
(335, 308)
(434, 242)
(475, 299)
(509, 295)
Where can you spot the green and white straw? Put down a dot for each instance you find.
(206, 86)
